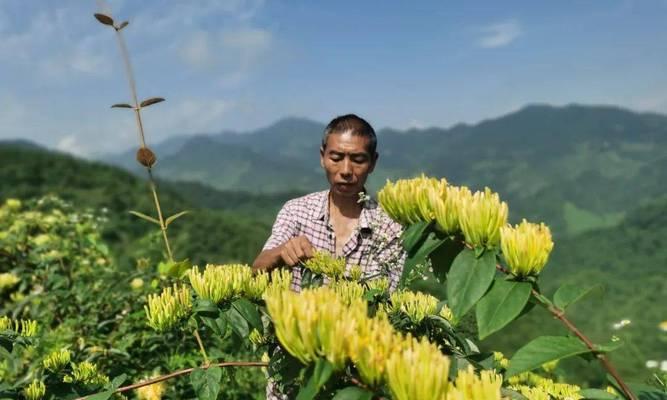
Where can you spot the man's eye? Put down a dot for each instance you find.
(336, 158)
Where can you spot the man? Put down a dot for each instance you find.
(342, 220)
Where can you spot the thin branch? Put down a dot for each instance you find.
(181, 372)
(201, 347)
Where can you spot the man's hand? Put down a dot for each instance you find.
(296, 250)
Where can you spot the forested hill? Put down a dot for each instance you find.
(576, 167)
(230, 226)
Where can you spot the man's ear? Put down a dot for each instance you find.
(373, 162)
(321, 156)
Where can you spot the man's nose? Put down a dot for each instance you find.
(346, 169)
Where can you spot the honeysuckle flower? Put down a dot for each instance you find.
(35, 391)
(415, 305)
(57, 360)
(381, 284)
(326, 264)
(371, 347)
(307, 330)
(347, 291)
(8, 280)
(526, 247)
(21, 327)
(152, 392)
(448, 209)
(256, 338)
(446, 313)
(500, 361)
(280, 280)
(417, 370)
(532, 393)
(663, 326)
(220, 283)
(430, 192)
(621, 324)
(165, 310)
(137, 283)
(400, 200)
(481, 218)
(355, 272)
(256, 286)
(531, 384)
(469, 385)
(86, 372)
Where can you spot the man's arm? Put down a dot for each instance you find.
(283, 247)
(289, 253)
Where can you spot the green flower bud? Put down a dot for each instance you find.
(57, 360)
(35, 391)
(165, 310)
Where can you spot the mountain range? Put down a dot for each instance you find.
(575, 167)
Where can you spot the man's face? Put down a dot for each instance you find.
(347, 163)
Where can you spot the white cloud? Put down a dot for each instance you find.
(72, 145)
(197, 51)
(499, 34)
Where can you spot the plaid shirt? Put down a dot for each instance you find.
(374, 245)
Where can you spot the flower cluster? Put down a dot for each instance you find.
(35, 391)
(219, 283)
(165, 310)
(412, 368)
(526, 247)
(309, 331)
(21, 327)
(482, 217)
(415, 305)
(57, 360)
(326, 264)
(534, 386)
(86, 373)
(7, 280)
(152, 392)
(408, 201)
(469, 385)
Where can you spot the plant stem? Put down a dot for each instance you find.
(186, 371)
(201, 347)
(163, 227)
(560, 315)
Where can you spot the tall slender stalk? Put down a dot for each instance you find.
(144, 155)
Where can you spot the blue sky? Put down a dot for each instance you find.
(243, 64)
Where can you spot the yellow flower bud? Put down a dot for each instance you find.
(348, 291)
(326, 264)
(137, 283)
(481, 218)
(381, 284)
(356, 272)
(371, 347)
(165, 310)
(35, 391)
(446, 313)
(220, 283)
(86, 372)
(415, 305)
(448, 209)
(500, 361)
(256, 338)
(526, 247)
(468, 385)
(418, 370)
(22, 327)
(256, 286)
(57, 360)
(152, 392)
(7, 280)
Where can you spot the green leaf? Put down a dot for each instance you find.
(353, 393)
(443, 256)
(173, 217)
(431, 242)
(249, 313)
(501, 305)
(321, 374)
(597, 394)
(146, 217)
(102, 395)
(568, 294)
(206, 307)
(542, 350)
(413, 235)
(468, 280)
(174, 269)
(238, 322)
(206, 382)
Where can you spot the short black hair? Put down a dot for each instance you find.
(354, 124)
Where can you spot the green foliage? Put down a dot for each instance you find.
(501, 305)
(469, 278)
